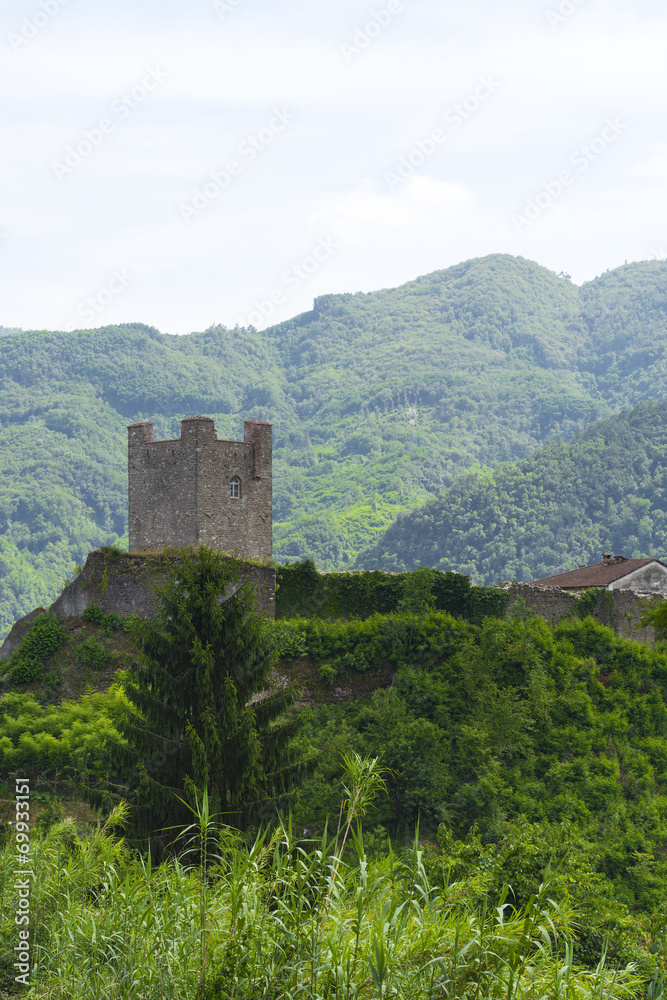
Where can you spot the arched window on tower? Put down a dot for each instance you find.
(235, 488)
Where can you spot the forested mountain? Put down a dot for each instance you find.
(379, 402)
(605, 491)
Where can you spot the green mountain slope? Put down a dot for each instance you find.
(626, 313)
(486, 353)
(379, 402)
(562, 507)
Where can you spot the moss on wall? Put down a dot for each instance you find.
(304, 592)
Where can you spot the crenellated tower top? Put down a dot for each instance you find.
(197, 489)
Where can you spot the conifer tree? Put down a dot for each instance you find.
(202, 712)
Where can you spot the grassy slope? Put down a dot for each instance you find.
(496, 356)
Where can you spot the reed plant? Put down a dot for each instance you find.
(276, 917)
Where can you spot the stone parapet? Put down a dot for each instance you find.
(620, 610)
(124, 583)
(198, 489)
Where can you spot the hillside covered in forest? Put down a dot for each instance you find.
(604, 491)
(379, 402)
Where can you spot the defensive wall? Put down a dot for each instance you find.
(124, 582)
(305, 591)
(620, 610)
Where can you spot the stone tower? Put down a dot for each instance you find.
(199, 490)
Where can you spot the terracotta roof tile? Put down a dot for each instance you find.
(597, 575)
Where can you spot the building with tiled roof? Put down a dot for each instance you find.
(646, 576)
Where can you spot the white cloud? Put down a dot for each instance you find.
(327, 172)
(654, 166)
(364, 215)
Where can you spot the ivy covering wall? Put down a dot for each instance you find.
(303, 592)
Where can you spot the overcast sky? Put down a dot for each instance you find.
(190, 163)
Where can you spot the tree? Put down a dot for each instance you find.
(656, 617)
(202, 712)
(415, 752)
(418, 597)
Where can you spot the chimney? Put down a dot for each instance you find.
(619, 559)
(606, 558)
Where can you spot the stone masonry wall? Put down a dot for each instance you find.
(617, 609)
(161, 491)
(179, 491)
(125, 583)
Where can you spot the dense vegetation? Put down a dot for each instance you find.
(483, 726)
(532, 758)
(605, 491)
(302, 592)
(279, 917)
(491, 357)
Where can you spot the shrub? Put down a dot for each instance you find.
(108, 623)
(327, 674)
(302, 591)
(94, 654)
(45, 638)
(358, 646)
(112, 552)
(53, 679)
(47, 817)
(292, 641)
(94, 614)
(25, 670)
(112, 622)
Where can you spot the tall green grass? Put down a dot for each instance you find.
(279, 918)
